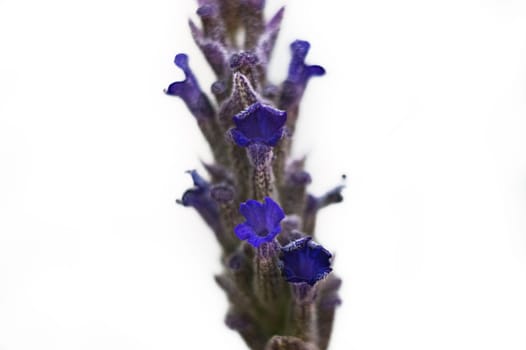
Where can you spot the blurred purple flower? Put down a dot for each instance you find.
(199, 198)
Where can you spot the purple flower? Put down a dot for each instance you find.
(305, 261)
(258, 123)
(262, 221)
(299, 74)
(199, 198)
(190, 92)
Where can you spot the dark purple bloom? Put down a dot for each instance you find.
(259, 123)
(299, 74)
(199, 198)
(305, 261)
(190, 92)
(262, 221)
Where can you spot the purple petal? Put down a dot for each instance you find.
(254, 212)
(244, 231)
(262, 221)
(239, 138)
(275, 137)
(274, 213)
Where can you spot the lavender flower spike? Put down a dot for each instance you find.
(277, 298)
(190, 92)
(305, 261)
(262, 221)
(258, 123)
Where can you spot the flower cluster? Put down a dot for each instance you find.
(279, 282)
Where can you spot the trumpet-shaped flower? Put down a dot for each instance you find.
(305, 261)
(262, 221)
(259, 123)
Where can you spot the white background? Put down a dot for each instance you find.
(423, 107)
